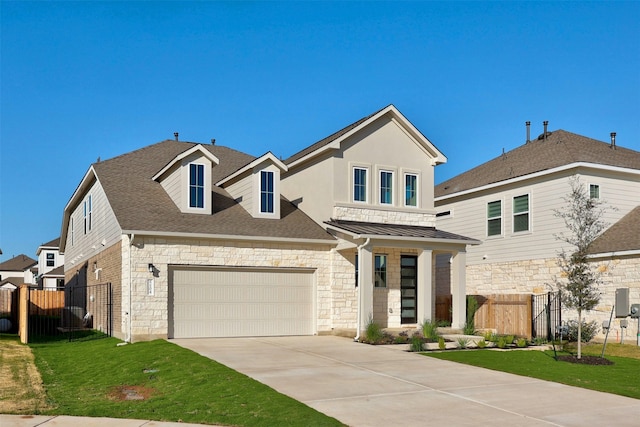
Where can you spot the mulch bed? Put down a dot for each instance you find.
(586, 360)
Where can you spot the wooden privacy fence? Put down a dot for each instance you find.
(506, 313)
(46, 303)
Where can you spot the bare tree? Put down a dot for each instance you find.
(583, 217)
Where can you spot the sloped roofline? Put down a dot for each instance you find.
(333, 141)
(563, 168)
(208, 154)
(268, 156)
(84, 185)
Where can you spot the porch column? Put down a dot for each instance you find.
(459, 290)
(425, 300)
(365, 284)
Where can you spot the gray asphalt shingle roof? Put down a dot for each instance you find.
(18, 263)
(142, 204)
(624, 235)
(559, 149)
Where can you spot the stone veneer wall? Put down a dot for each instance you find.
(384, 216)
(150, 313)
(532, 276)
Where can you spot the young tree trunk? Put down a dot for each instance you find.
(579, 334)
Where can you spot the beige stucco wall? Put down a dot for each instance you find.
(335, 296)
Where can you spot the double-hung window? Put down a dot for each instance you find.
(380, 271)
(51, 259)
(411, 189)
(90, 212)
(386, 187)
(521, 213)
(84, 215)
(594, 191)
(266, 192)
(196, 185)
(359, 184)
(494, 218)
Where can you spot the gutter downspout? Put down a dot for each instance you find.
(129, 328)
(357, 337)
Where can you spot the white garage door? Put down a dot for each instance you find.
(240, 302)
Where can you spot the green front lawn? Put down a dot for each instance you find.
(91, 378)
(616, 378)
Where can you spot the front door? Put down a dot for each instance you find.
(408, 288)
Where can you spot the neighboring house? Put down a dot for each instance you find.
(20, 269)
(200, 240)
(50, 265)
(509, 204)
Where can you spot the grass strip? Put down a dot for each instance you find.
(91, 378)
(538, 364)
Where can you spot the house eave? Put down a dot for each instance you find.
(267, 156)
(232, 237)
(615, 254)
(357, 236)
(563, 168)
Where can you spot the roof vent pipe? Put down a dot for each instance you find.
(613, 140)
(175, 134)
(528, 132)
(545, 123)
(213, 141)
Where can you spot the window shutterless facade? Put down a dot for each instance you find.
(380, 271)
(266, 192)
(410, 189)
(84, 215)
(594, 191)
(494, 218)
(196, 185)
(359, 184)
(90, 211)
(51, 259)
(386, 187)
(521, 213)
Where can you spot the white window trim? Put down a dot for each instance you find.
(204, 187)
(72, 232)
(513, 214)
(393, 185)
(404, 190)
(599, 190)
(502, 221)
(352, 181)
(386, 271)
(90, 199)
(273, 193)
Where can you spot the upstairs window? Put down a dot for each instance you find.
(90, 211)
(594, 191)
(196, 186)
(73, 233)
(494, 218)
(410, 190)
(51, 259)
(386, 187)
(359, 184)
(380, 272)
(521, 213)
(266, 192)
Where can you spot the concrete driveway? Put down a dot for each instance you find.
(363, 385)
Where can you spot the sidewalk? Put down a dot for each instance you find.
(65, 421)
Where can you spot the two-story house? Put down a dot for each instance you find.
(50, 265)
(509, 203)
(200, 240)
(17, 271)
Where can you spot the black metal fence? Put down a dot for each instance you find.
(546, 313)
(73, 312)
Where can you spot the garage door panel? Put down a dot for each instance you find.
(242, 302)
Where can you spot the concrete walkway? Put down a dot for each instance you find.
(363, 385)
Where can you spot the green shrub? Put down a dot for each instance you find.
(589, 330)
(540, 340)
(472, 307)
(509, 339)
(502, 342)
(373, 332)
(481, 344)
(416, 344)
(490, 337)
(430, 330)
(521, 342)
(441, 344)
(463, 342)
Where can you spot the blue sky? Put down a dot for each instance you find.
(82, 80)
